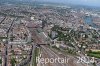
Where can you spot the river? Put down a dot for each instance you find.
(89, 20)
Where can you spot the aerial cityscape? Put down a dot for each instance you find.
(49, 33)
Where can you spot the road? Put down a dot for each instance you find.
(33, 49)
(6, 45)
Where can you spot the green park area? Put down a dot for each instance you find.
(95, 54)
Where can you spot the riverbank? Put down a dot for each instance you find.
(96, 21)
(91, 21)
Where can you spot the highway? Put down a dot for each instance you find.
(32, 53)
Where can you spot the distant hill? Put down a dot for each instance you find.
(15, 1)
(11, 1)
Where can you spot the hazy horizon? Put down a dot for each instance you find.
(95, 3)
(76, 2)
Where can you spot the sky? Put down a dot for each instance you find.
(79, 2)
